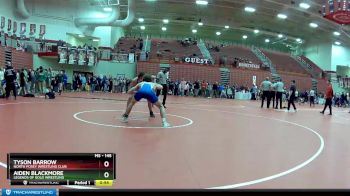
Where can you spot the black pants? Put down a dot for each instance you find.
(278, 99)
(11, 87)
(291, 101)
(272, 98)
(329, 104)
(312, 100)
(165, 92)
(264, 96)
(253, 96)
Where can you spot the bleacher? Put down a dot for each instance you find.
(128, 45)
(168, 49)
(232, 52)
(285, 63)
(20, 59)
(315, 68)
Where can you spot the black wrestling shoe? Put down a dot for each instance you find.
(151, 114)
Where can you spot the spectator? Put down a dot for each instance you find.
(10, 78)
(329, 95)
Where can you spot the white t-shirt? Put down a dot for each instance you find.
(1, 75)
(312, 93)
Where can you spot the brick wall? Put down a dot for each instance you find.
(22, 60)
(303, 83)
(19, 59)
(194, 72)
(244, 77)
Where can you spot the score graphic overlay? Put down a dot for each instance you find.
(94, 169)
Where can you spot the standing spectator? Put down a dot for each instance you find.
(204, 86)
(253, 90)
(279, 93)
(41, 80)
(22, 84)
(59, 80)
(312, 97)
(33, 85)
(83, 82)
(196, 88)
(292, 96)
(215, 90)
(29, 81)
(265, 88)
(162, 79)
(187, 87)
(1, 82)
(110, 89)
(229, 92)
(182, 87)
(65, 80)
(10, 78)
(177, 88)
(329, 96)
(93, 83)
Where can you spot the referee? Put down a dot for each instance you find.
(163, 80)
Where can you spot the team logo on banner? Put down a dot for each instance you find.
(8, 192)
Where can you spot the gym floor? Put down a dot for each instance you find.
(214, 143)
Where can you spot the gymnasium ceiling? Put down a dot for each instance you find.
(184, 15)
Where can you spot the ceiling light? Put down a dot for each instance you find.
(163, 28)
(96, 40)
(282, 16)
(107, 9)
(194, 31)
(304, 5)
(280, 35)
(142, 27)
(249, 9)
(226, 27)
(218, 33)
(313, 25)
(200, 24)
(166, 21)
(201, 2)
(256, 31)
(337, 43)
(245, 37)
(336, 33)
(81, 35)
(141, 19)
(267, 40)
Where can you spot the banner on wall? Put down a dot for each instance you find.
(42, 29)
(14, 27)
(82, 57)
(32, 29)
(73, 56)
(254, 80)
(9, 25)
(62, 54)
(196, 60)
(131, 58)
(2, 22)
(23, 28)
(248, 65)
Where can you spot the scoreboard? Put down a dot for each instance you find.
(93, 169)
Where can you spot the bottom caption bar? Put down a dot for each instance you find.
(52, 183)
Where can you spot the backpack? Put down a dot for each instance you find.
(51, 95)
(28, 95)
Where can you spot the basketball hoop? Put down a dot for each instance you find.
(337, 11)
